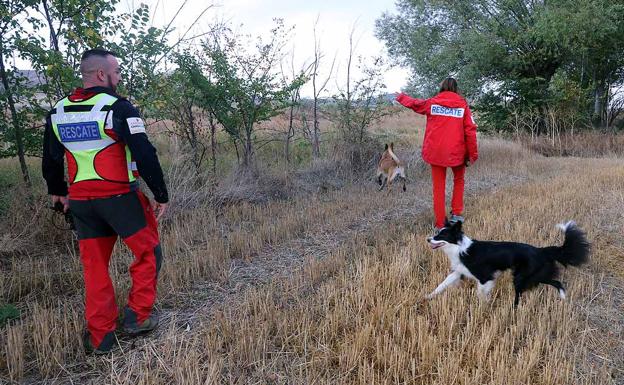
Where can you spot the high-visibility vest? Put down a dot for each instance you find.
(81, 128)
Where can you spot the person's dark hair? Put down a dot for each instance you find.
(449, 84)
(96, 52)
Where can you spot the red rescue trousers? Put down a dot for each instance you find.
(438, 178)
(99, 222)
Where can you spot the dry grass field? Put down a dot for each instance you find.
(327, 287)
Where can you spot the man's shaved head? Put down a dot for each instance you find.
(99, 67)
(94, 59)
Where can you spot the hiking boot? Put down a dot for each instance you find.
(456, 218)
(133, 328)
(109, 344)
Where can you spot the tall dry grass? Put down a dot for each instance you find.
(327, 288)
(593, 143)
(358, 317)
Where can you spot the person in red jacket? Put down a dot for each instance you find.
(450, 141)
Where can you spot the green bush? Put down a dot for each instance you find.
(8, 312)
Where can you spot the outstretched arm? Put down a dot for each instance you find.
(418, 105)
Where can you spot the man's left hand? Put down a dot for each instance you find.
(62, 200)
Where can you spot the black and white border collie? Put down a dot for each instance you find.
(484, 261)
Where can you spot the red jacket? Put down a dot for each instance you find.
(451, 133)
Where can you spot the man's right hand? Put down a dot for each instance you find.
(159, 209)
(62, 200)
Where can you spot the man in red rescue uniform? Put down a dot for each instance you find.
(103, 138)
(450, 141)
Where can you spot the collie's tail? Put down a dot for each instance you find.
(575, 249)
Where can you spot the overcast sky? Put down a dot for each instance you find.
(336, 20)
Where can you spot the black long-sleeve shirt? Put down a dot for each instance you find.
(143, 152)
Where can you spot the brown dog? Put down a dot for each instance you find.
(390, 168)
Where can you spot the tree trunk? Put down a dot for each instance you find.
(237, 151)
(607, 106)
(248, 148)
(16, 126)
(213, 144)
(53, 35)
(195, 145)
(315, 132)
(290, 133)
(599, 104)
(54, 44)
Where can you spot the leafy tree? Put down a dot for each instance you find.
(179, 102)
(65, 29)
(295, 106)
(71, 27)
(14, 85)
(506, 53)
(244, 86)
(359, 103)
(60, 30)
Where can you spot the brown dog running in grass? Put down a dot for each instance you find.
(390, 168)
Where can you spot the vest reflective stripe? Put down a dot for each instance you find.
(83, 135)
(59, 107)
(80, 117)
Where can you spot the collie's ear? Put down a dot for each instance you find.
(386, 147)
(457, 226)
(447, 223)
(392, 146)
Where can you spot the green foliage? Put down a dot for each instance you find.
(229, 84)
(178, 99)
(72, 27)
(505, 54)
(51, 35)
(142, 49)
(8, 312)
(23, 96)
(358, 105)
(302, 152)
(242, 87)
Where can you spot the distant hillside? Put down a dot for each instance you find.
(388, 98)
(33, 78)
